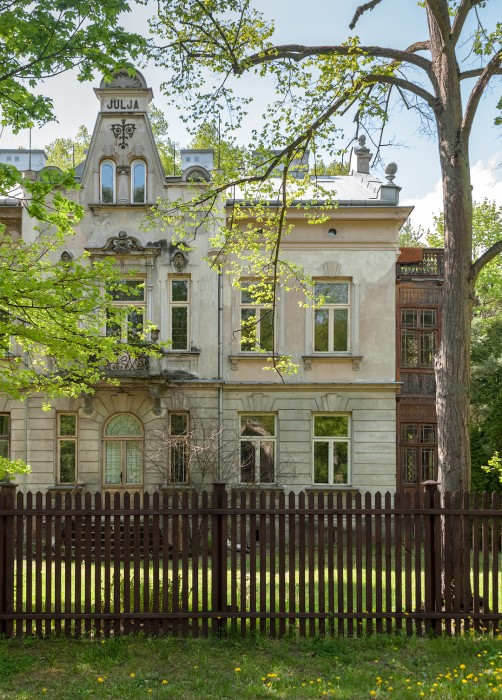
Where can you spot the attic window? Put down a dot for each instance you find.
(107, 184)
(138, 182)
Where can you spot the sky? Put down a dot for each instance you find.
(395, 23)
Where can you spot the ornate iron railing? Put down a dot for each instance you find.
(431, 265)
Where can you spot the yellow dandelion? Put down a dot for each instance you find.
(149, 690)
(372, 693)
(164, 682)
(100, 680)
(44, 690)
(237, 669)
(132, 675)
(263, 678)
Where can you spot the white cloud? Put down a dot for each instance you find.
(486, 179)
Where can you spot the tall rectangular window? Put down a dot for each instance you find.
(257, 448)
(418, 446)
(127, 318)
(4, 435)
(179, 302)
(179, 447)
(331, 317)
(331, 449)
(257, 319)
(419, 328)
(67, 448)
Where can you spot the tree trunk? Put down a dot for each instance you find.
(452, 363)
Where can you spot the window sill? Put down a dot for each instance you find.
(309, 359)
(344, 488)
(176, 486)
(255, 487)
(64, 488)
(96, 207)
(193, 351)
(248, 357)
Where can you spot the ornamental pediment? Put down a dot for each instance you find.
(122, 244)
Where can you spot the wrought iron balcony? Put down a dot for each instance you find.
(124, 363)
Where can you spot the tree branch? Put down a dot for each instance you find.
(459, 21)
(298, 52)
(475, 73)
(404, 85)
(487, 257)
(361, 10)
(492, 68)
(442, 21)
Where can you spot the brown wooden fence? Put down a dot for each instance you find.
(248, 561)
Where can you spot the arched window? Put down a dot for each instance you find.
(138, 182)
(123, 453)
(107, 182)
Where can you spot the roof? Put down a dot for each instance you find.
(410, 255)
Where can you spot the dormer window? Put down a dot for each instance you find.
(138, 182)
(108, 182)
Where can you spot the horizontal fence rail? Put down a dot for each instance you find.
(191, 564)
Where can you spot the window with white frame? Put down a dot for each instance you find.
(257, 448)
(126, 319)
(4, 435)
(179, 424)
(67, 439)
(107, 182)
(123, 443)
(179, 309)
(331, 449)
(138, 182)
(257, 318)
(331, 317)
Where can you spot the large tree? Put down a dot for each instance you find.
(317, 84)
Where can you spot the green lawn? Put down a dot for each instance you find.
(136, 667)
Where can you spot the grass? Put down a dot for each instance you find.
(255, 667)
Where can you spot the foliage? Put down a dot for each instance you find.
(67, 153)
(227, 154)
(168, 149)
(53, 311)
(44, 38)
(410, 237)
(486, 231)
(495, 465)
(10, 467)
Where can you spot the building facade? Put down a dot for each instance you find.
(207, 408)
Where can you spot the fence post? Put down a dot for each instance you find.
(432, 556)
(218, 555)
(7, 544)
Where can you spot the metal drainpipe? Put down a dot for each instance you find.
(220, 370)
(25, 450)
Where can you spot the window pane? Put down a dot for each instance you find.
(409, 318)
(340, 330)
(321, 462)
(133, 463)
(112, 466)
(410, 465)
(409, 433)
(340, 462)
(331, 426)
(258, 425)
(179, 327)
(321, 325)
(247, 462)
(139, 183)
(107, 183)
(67, 461)
(179, 290)
(428, 462)
(179, 424)
(133, 290)
(266, 462)
(428, 433)
(4, 448)
(67, 424)
(124, 425)
(332, 292)
(428, 343)
(428, 318)
(179, 462)
(267, 330)
(134, 326)
(248, 329)
(4, 425)
(409, 349)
